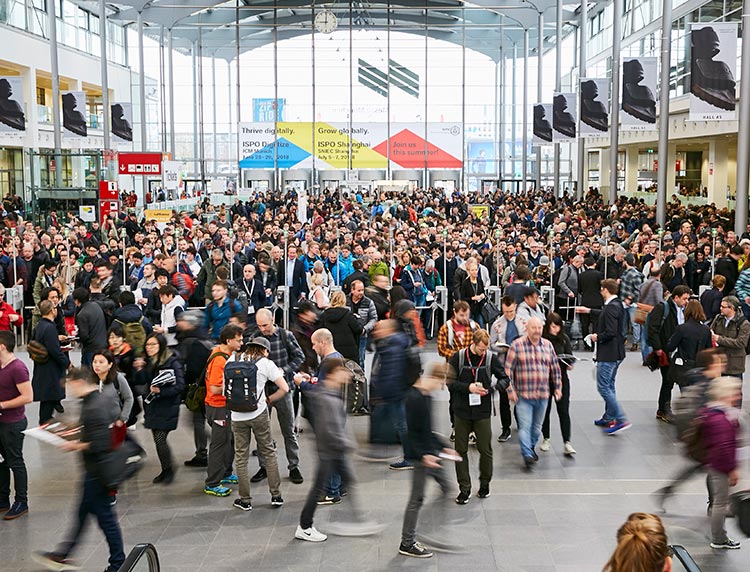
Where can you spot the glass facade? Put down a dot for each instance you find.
(76, 27)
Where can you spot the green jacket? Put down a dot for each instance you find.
(207, 276)
(379, 268)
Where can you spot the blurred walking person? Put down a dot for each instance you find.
(423, 450)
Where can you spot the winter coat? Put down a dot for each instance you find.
(389, 381)
(345, 328)
(92, 327)
(719, 434)
(46, 381)
(733, 339)
(164, 411)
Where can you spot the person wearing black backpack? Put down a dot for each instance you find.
(244, 388)
(95, 445)
(730, 331)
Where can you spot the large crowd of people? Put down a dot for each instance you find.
(236, 312)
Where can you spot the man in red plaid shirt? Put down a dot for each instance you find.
(532, 367)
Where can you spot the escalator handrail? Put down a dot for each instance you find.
(139, 551)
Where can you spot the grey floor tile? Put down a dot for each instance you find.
(563, 517)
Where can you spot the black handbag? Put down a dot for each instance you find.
(490, 313)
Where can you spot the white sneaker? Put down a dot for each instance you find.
(309, 534)
(545, 446)
(568, 449)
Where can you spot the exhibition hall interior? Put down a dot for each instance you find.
(158, 107)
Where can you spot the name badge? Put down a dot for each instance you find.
(475, 399)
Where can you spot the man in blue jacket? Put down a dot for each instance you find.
(610, 352)
(219, 310)
(390, 381)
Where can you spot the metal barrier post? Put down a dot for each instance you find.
(441, 301)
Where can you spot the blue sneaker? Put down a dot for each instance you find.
(217, 491)
(606, 423)
(402, 465)
(230, 480)
(617, 427)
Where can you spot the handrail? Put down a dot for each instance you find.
(683, 556)
(139, 551)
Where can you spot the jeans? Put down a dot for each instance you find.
(11, 449)
(395, 411)
(326, 467)
(221, 452)
(333, 485)
(362, 350)
(482, 428)
(87, 359)
(718, 492)
(530, 415)
(416, 499)
(563, 411)
(96, 501)
(606, 372)
(645, 348)
(285, 410)
(243, 430)
(636, 327)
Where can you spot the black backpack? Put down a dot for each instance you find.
(241, 386)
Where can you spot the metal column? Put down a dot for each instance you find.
(614, 131)
(54, 68)
(276, 179)
(464, 176)
(201, 130)
(162, 91)
(501, 105)
(105, 82)
(170, 78)
(215, 105)
(513, 113)
(351, 89)
(238, 88)
(229, 115)
(525, 113)
(666, 58)
(539, 94)
(142, 90)
(196, 153)
(743, 135)
(581, 187)
(558, 83)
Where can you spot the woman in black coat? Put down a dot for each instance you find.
(555, 333)
(46, 381)
(162, 404)
(688, 339)
(344, 327)
(711, 299)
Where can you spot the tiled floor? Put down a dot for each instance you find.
(562, 518)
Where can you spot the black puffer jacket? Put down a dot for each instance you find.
(163, 412)
(345, 329)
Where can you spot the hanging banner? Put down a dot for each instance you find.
(122, 122)
(594, 107)
(564, 116)
(638, 106)
(713, 68)
(12, 117)
(410, 146)
(542, 134)
(74, 113)
(170, 175)
(481, 157)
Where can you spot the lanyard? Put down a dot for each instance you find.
(475, 370)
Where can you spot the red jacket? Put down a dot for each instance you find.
(7, 310)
